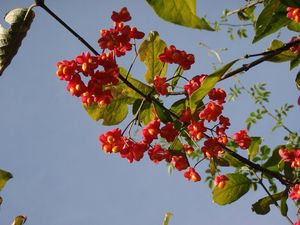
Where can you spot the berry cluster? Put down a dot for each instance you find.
(211, 112)
(293, 14)
(87, 65)
(295, 192)
(194, 123)
(118, 39)
(98, 80)
(290, 156)
(172, 55)
(91, 78)
(114, 142)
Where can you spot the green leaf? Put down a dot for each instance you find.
(181, 12)
(221, 162)
(112, 114)
(262, 206)
(295, 62)
(291, 3)
(247, 14)
(212, 167)
(146, 114)
(283, 205)
(232, 161)
(294, 26)
(254, 147)
(176, 77)
(167, 218)
(176, 145)
(94, 111)
(297, 80)
(4, 177)
(235, 188)
(178, 106)
(127, 91)
(19, 220)
(11, 39)
(288, 171)
(162, 113)
(149, 51)
(283, 56)
(115, 113)
(273, 162)
(271, 19)
(207, 85)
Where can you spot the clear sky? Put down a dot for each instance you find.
(50, 145)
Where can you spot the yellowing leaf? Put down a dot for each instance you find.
(19, 220)
(149, 51)
(167, 218)
(254, 147)
(4, 177)
(181, 12)
(10, 40)
(297, 80)
(112, 114)
(123, 96)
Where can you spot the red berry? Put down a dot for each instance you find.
(112, 141)
(151, 131)
(242, 139)
(217, 94)
(169, 132)
(179, 162)
(212, 148)
(194, 83)
(211, 112)
(160, 85)
(292, 156)
(220, 181)
(293, 14)
(121, 16)
(196, 129)
(295, 192)
(192, 175)
(157, 154)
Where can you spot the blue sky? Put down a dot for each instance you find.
(50, 145)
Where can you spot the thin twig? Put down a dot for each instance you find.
(81, 39)
(131, 65)
(245, 7)
(236, 25)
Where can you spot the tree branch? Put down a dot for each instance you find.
(151, 99)
(266, 56)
